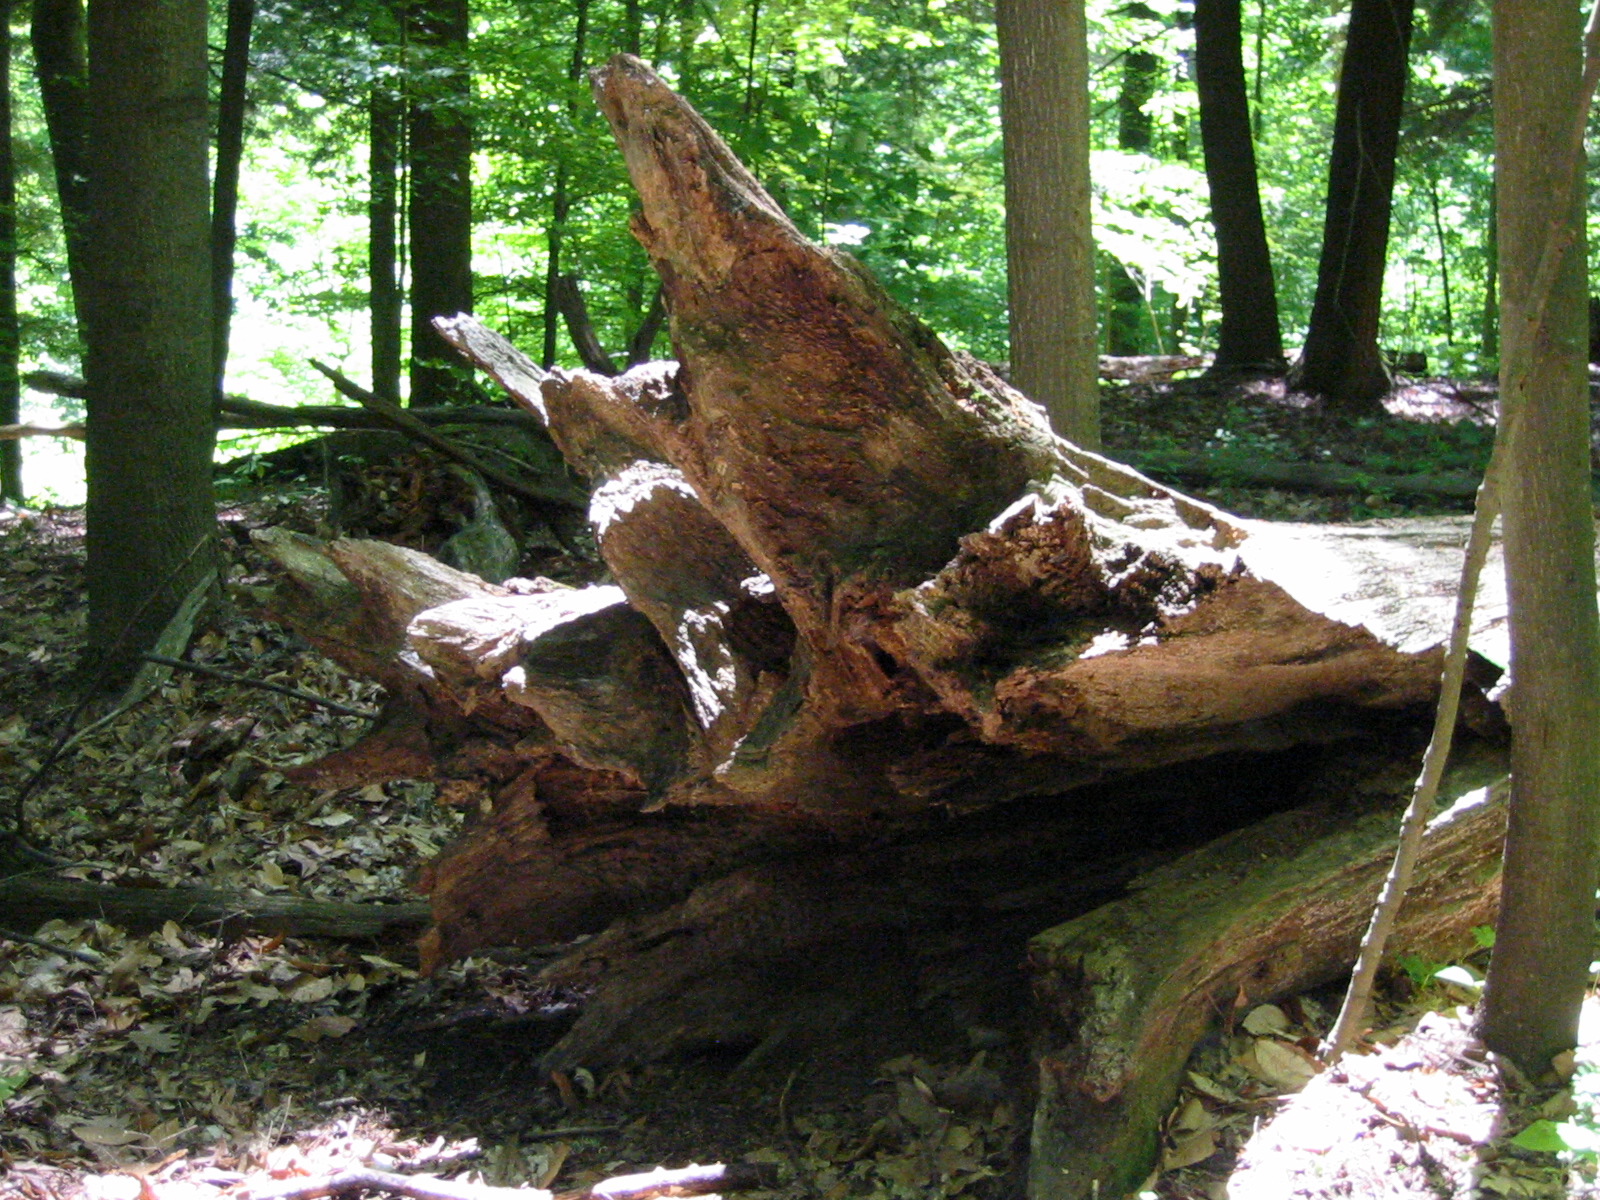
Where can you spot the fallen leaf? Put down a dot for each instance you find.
(1281, 1066)
(309, 991)
(1189, 1149)
(1265, 1018)
(103, 1131)
(317, 1028)
(155, 1038)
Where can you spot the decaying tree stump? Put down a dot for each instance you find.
(881, 660)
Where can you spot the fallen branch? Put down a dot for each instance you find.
(12, 433)
(686, 1181)
(405, 423)
(84, 956)
(30, 901)
(182, 664)
(236, 412)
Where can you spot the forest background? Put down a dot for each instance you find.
(876, 125)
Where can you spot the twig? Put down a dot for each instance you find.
(246, 681)
(568, 1131)
(416, 430)
(83, 956)
(685, 1181)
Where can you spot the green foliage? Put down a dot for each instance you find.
(1544, 1137)
(13, 1082)
(876, 124)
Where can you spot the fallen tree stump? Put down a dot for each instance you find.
(885, 674)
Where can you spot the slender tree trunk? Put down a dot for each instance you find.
(440, 206)
(1125, 313)
(632, 27)
(1341, 362)
(1044, 91)
(560, 201)
(1250, 339)
(10, 342)
(1444, 260)
(560, 206)
(62, 67)
(225, 185)
(1257, 127)
(385, 125)
(1545, 935)
(148, 302)
(1491, 279)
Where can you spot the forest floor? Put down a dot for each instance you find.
(176, 1063)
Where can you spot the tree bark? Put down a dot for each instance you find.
(1249, 339)
(1341, 362)
(225, 184)
(148, 301)
(1544, 938)
(439, 210)
(61, 63)
(1044, 93)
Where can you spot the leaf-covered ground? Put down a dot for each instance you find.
(185, 1064)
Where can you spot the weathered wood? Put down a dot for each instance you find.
(860, 595)
(1128, 989)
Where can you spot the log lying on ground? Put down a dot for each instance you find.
(28, 901)
(857, 589)
(1267, 912)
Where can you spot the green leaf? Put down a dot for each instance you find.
(1542, 1137)
(10, 1085)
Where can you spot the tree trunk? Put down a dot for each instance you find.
(225, 185)
(1250, 340)
(1490, 333)
(439, 141)
(1341, 362)
(1127, 305)
(560, 200)
(62, 66)
(385, 125)
(148, 301)
(10, 337)
(1544, 939)
(1044, 92)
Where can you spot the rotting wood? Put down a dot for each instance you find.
(860, 596)
(869, 582)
